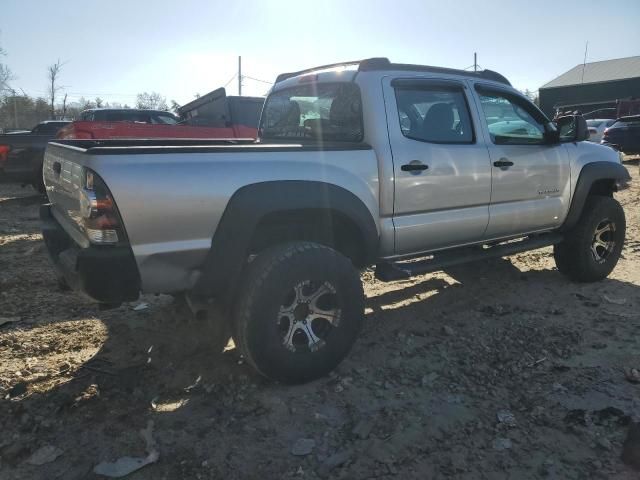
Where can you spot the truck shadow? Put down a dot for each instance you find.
(159, 363)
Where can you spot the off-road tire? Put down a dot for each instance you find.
(574, 257)
(269, 278)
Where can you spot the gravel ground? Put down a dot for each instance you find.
(500, 369)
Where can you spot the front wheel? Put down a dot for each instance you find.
(590, 251)
(299, 311)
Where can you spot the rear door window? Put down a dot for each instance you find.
(432, 112)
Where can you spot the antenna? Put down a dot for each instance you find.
(584, 62)
(476, 68)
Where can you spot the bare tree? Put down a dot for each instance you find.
(64, 106)
(99, 102)
(53, 73)
(5, 75)
(152, 101)
(175, 107)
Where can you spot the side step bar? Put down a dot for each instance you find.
(390, 271)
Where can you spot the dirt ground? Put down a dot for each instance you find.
(500, 369)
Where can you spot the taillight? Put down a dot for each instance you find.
(100, 219)
(4, 154)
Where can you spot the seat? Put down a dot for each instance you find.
(291, 118)
(437, 125)
(345, 118)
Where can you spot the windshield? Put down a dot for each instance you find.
(627, 122)
(164, 119)
(594, 123)
(331, 111)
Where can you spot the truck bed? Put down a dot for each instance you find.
(171, 194)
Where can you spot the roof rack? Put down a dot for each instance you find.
(284, 76)
(382, 63)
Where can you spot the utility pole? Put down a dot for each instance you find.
(475, 62)
(239, 76)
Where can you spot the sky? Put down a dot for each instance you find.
(115, 49)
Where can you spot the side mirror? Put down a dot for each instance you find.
(572, 128)
(551, 133)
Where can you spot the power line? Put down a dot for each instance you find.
(230, 80)
(257, 79)
(40, 92)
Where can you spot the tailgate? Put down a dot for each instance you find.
(63, 179)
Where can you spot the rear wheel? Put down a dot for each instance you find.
(299, 311)
(591, 250)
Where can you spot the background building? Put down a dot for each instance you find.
(593, 86)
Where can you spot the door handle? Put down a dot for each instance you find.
(503, 163)
(414, 166)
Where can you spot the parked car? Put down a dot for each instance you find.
(624, 135)
(13, 131)
(597, 128)
(210, 116)
(115, 123)
(357, 165)
(22, 152)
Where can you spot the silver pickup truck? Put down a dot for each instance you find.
(403, 167)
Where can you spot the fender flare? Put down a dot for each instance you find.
(250, 204)
(591, 173)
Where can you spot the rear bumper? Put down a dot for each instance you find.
(107, 274)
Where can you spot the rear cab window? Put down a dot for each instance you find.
(314, 111)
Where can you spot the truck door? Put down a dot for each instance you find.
(530, 187)
(442, 172)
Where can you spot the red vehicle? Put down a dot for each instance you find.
(211, 116)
